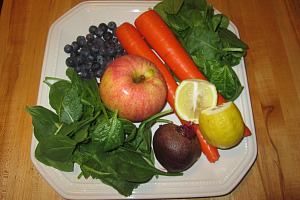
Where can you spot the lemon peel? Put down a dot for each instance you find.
(222, 126)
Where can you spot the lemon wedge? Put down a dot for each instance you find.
(222, 126)
(192, 96)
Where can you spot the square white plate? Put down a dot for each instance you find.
(201, 180)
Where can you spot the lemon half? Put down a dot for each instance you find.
(222, 126)
(192, 96)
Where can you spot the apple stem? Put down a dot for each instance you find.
(140, 79)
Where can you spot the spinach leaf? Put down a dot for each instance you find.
(143, 139)
(220, 21)
(88, 90)
(57, 147)
(82, 134)
(57, 94)
(147, 138)
(229, 80)
(147, 125)
(45, 122)
(71, 107)
(108, 136)
(197, 18)
(128, 126)
(66, 129)
(65, 100)
(121, 185)
(233, 56)
(39, 155)
(231, 39)
(197, 4)
(178, 23)
(203, 44)
(171, 6)
(92, 92)
(88, 147)
(132, 167)
(76, 81)
(146, 151)
(88, 111)
(97, 167)
(159, 8)
(67, 166)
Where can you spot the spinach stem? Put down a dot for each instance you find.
(48, 83)
(86, 102)
(80, 175)
(104, 112)
(58, 128)
(95, 171)
(55, 79)
(158, 115)
(164, 120)
(47, 79)
(233, 49)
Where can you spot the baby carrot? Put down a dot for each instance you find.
(161, 38)
(133, 43)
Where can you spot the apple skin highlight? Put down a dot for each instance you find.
(134, 86)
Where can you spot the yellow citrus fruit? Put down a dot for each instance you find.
(192, 96)
(222, 126)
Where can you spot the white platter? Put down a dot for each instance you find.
(201, 180)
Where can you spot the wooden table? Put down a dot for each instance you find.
(270, 28)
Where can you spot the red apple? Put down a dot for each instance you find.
(135, 86)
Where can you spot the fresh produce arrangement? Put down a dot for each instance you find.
(206, 38)
(83, 131)
(166, 45)
(120, 78)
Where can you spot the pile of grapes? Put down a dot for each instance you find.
(90, 55)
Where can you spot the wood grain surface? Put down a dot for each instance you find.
(271, 28)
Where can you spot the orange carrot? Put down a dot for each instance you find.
(209, 149)
(133, 43)
(161, 38)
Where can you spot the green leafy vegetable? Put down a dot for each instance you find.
(132, 167)
(64, 99)
(108, 136)
(97, 167)
(83, 131)
(45, 121)
(57, 147)
(57, 94)
(171, 6)
(206, 37)
(71, 109)
(67, 166)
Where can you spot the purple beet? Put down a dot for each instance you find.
(176, 148)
